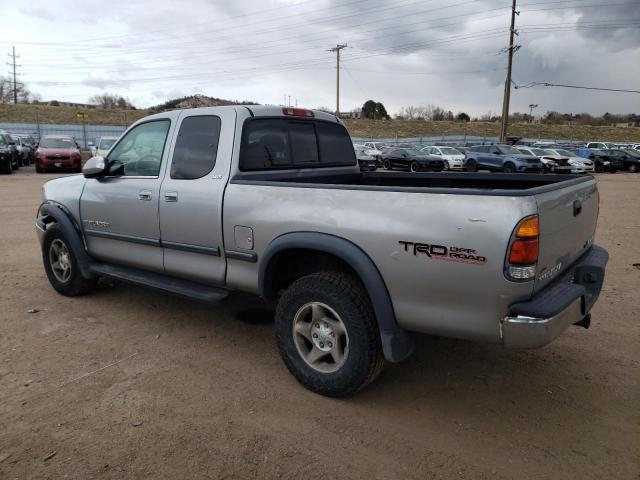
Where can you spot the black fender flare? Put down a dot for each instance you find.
(71, 231)
(397, 344)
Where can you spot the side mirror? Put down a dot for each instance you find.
(94, 167)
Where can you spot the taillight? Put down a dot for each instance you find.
(297, 112)
(523, 250)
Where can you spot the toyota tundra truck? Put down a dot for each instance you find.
(267, 200)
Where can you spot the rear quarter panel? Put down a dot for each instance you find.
(442, 296)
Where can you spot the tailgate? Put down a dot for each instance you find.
(568, 217)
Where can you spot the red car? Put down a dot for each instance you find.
(58, 152)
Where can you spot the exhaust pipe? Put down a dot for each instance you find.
(585, 322)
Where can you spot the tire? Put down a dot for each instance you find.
(6, 167)
(40, 170)
(342, 301)
(415, 167)
(446, 165)
(633, 168)
(68, 282)
(471, 166)
(508, 168)
(386, 165)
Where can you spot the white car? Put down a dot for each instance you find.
(453, 158)
(377, 146)
(552, 161)
(578, 164)
(103, 146)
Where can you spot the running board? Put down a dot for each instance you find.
(177, 286)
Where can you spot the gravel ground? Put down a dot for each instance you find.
(131, 383)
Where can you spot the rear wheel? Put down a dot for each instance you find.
(327, 334)
(387, 165)
(415, 166)
(61, 265)
(508, 168)
(5, 166)
(471, 166)
(633, 168)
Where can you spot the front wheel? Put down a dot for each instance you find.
(471, 166)
(415, 166)
(508, 168)
(446, 165)
(633, 168)
(327, 334)
(61, 265)
(386, 165)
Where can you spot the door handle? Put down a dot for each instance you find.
(144, 195)
(170, 196)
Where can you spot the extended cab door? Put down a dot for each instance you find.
(119, 212)
(191, 196)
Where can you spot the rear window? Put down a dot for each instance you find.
(285, 143)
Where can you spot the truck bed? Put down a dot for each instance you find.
(443, 182)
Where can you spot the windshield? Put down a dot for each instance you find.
(540, 152)
(57, 143)
(450, 151)
(106, 144)
(509, 150)
(565, 153)
(413, 151)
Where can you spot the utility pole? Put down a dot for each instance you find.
(507, 83)
(531, 107)
(337, 49)
(13, 72)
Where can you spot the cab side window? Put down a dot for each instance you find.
(196, 147)
(139, 152)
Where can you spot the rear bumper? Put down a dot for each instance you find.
(565, 302)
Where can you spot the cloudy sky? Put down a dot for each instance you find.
(400, 52)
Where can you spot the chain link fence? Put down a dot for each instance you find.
(84, 134)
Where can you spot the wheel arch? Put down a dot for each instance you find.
(51, 212)
(397, 344)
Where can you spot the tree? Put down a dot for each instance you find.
(110, 100)
(23, 93)
(374, 110)
(463, 117)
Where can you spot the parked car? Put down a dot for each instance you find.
(453, 158)
(578, 164)
(58, 152)
(600, 145)
(633, 152)
(22, 150)
(8, 157)
(31, 143)
(103, 146)
(411, 159)
(501, 158)
(601, 161)
(366, 161)
(553, 162)
(377, 146)
(627, 162)
(203, 202)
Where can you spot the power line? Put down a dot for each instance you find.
(548, 84)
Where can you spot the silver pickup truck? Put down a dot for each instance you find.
(271, 201)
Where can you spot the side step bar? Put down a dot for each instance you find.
(177, 286)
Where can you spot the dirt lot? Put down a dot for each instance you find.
(131, 383)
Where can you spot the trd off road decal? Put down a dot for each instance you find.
(448, 254)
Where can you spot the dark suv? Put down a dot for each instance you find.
(8, 153)
(501, 158)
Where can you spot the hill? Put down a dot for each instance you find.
(26, 113)
(417, 128)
